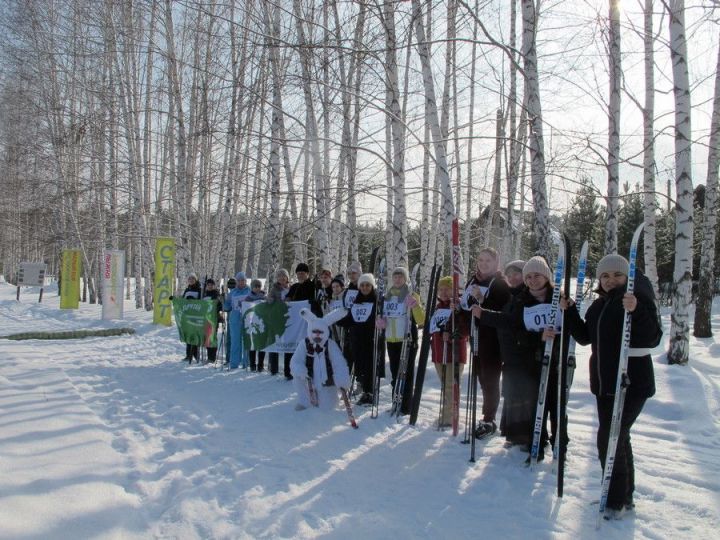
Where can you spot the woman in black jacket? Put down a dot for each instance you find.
(603, 330)
(523, 320)
(360, 322)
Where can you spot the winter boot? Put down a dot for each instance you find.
(485, 429)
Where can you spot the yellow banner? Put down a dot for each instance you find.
(70, 269)
(164, 279)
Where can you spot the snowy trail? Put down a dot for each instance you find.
(54, 449)
(114, 437)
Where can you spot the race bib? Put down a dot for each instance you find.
(361, 312)
(335, 304)
(439, 320)
(350, 296)
(394, 308)
(467, 301)
(237, 301)
(537, 318)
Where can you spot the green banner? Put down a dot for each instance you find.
(196, 321)
(164, 280)
(274, 327)
(70, 270)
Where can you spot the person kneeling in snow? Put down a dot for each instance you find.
(318, 366)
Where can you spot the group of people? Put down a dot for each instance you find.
(501, 316)
(512, 342)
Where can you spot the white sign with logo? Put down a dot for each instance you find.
(537, 318)
(31, 274)
(361, 312)
(439, 320)
(474, 294)
(350, 296)
(113, 283)
(394, 308)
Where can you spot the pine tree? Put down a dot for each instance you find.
(585, 221)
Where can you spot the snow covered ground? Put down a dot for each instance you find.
(116, 438)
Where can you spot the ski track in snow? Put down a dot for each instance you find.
(115, 438)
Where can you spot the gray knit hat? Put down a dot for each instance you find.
(402, 271)
(517, 265)
(355, 266)
(612, 263)
(538, 265)
(282, 272)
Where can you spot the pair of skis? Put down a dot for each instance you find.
(378, 342)
(425, 344)
(399, 389)
(566, 370)
(343, 394)
(621, 384)
(566, 364)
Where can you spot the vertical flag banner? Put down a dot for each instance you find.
(113, 283)
(71, 266)
(196, 321)
(164, 278)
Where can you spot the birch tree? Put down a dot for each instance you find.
(650, 201)
(536, 143)
(448, 206)
(682, 273)
(702, 326)
(613, 163)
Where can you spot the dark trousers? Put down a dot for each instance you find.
(257, 361)
(622, 482)
(394, 352)
(274, 358)
(191, 351)
(488, 373)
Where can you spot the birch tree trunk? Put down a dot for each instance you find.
(427, 253)
(448, 205)
(650, 201)
(611, 225)
(536, 144)
(399, 217)
(702, 326)
(471, 131)
(322, 228)
(185, 264)
(497, 177)
(682, 274)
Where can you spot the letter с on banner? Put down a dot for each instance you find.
(164, 278)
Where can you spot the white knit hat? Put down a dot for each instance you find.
(613, 263)
(537, 265)
(366, 278)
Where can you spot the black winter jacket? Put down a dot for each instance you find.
(305, 291)
(603, 330)
(521, 348)
(497, 297)
(192, 292)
